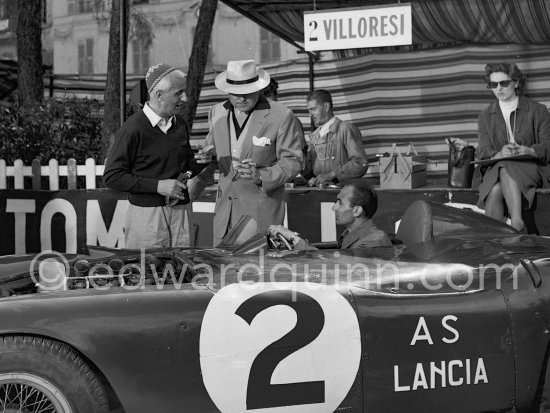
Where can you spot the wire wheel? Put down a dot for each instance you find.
(39, 375)
(27, 393)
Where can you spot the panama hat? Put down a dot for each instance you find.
(242, 77)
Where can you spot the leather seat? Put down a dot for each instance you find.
(416, 224)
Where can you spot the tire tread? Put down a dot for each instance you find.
(65, 355)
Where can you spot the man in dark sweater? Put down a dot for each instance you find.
(151, 159)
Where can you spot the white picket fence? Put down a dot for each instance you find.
(19, 171)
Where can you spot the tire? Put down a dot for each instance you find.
(544, 397)
(40, 375)
(541, 404)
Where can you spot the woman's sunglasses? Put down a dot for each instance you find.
(502, 83)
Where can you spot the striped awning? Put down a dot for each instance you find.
(434, 21)
(422, 97)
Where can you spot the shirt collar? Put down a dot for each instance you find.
(325, 127)
(509, 106)
(155, 119)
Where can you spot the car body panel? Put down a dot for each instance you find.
(436, 353)
(457, 323)
(144, 342)
(529, 312)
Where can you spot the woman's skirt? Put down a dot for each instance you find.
(528, 175)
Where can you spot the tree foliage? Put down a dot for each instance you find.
(29, 42)
(58, 129)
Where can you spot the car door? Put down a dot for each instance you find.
(435, 352)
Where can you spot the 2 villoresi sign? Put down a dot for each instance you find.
(358, 27)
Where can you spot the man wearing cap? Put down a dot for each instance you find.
(151, 159)
(257, 146)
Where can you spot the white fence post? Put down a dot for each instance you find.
(90, 173)
(71, 173)
(3, 175)
(18, 178)
(53, 171)
(54, 174)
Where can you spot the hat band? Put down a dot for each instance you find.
(242, 82)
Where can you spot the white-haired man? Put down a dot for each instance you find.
(150, 160)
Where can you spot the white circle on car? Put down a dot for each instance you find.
(285, 347)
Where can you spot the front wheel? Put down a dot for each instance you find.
(43, 376)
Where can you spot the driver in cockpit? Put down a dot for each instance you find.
(355, 206)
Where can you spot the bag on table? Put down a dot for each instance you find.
(402, 171)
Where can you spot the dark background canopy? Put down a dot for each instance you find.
(434, 21)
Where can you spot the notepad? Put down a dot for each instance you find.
(487, 162)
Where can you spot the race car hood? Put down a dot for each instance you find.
(449, 264)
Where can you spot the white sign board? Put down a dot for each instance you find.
(358, 28)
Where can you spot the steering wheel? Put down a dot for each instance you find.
(279, 240)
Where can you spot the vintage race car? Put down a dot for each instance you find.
(455, 318)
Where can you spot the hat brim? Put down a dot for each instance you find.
(262, 82)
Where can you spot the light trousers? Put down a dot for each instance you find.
(150, 227)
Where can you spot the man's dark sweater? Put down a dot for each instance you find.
(142, 155)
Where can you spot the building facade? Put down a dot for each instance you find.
(75, 36)
(160, 31)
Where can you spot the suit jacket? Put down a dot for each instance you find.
(366, 235)
(276, 150)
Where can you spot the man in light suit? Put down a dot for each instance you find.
(257, 146)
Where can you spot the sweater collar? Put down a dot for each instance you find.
(523, 105)
(156, 120)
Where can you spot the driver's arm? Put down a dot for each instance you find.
(299, 243)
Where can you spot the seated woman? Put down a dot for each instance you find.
(512, 125)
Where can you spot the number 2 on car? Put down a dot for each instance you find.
(295, 348)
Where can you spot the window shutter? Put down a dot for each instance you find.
(81, 58)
